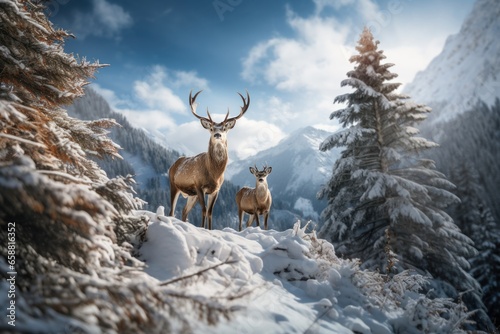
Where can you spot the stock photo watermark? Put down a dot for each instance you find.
(383, 19)
(385, 16)
(223, 6)
(54, 5)
(11, 274)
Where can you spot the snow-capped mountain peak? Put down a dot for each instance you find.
(299, 168)
(466, 71)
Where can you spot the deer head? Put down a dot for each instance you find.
(218, 131)
(261, 176)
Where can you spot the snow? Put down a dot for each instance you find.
(466, 70)
(275, 305)
(305, 206)
(274, 281)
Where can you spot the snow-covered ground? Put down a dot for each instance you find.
(283, 282)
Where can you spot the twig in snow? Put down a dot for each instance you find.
(198, 272)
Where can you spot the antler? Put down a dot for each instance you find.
(244, 108)
(193, 104)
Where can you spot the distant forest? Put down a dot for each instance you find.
(472, 139)
(469, 155)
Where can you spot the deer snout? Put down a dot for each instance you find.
(217, 136)
(261, 180)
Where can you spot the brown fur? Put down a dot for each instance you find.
(197, 176)
(255, 201)
(203, 174)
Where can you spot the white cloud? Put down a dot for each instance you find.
(336, 4)
(105, 20)
(157, 89)
(154, 94)
(250, 137)
(306, 68)
(155, 121)
(276, 111)
(311, 61)
(112, 16)
(108, 95)
(154, 100)
(246, 139)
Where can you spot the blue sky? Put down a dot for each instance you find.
(290, 55)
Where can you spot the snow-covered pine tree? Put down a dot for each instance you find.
(69, 223)
(475, 219)
(385, 202)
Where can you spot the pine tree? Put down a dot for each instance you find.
(70, 223)
(475, 219)
(385, 202)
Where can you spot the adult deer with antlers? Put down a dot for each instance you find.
(255, 201)
(203, 174)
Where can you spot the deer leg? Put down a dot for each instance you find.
(250, 220)
(211, 202)
(191, 201)
(201, 199)
(174, 195)
(257, 219)
(240, 216)
(266, 216)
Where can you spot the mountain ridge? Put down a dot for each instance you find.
(454, 81)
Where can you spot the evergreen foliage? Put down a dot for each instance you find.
(469, 149)
(73, 228)
(385, 202)
(476, 220)
(152, 188)
(472, 136)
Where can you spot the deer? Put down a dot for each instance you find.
(255, 201)
(203, 174)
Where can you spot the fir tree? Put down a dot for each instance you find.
(70, 222)
(385, 202)
(475, 219)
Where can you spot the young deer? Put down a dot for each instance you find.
(194, 177)
(255, 201)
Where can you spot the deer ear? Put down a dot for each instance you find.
(206, 123)
(230, 124)
(269, 170)
(252, 170)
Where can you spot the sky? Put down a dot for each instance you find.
(289, 55)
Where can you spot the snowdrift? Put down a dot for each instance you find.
(284, 282)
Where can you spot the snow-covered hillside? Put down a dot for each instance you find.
(284, 282)
(299, 169)
(467, 70)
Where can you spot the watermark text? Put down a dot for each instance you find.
(11, 274)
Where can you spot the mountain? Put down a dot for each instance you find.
(142, 157)
(467, 70)
(299, 170)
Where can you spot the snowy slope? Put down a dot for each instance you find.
(468, 68)
(283, 282)
(299, 169)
